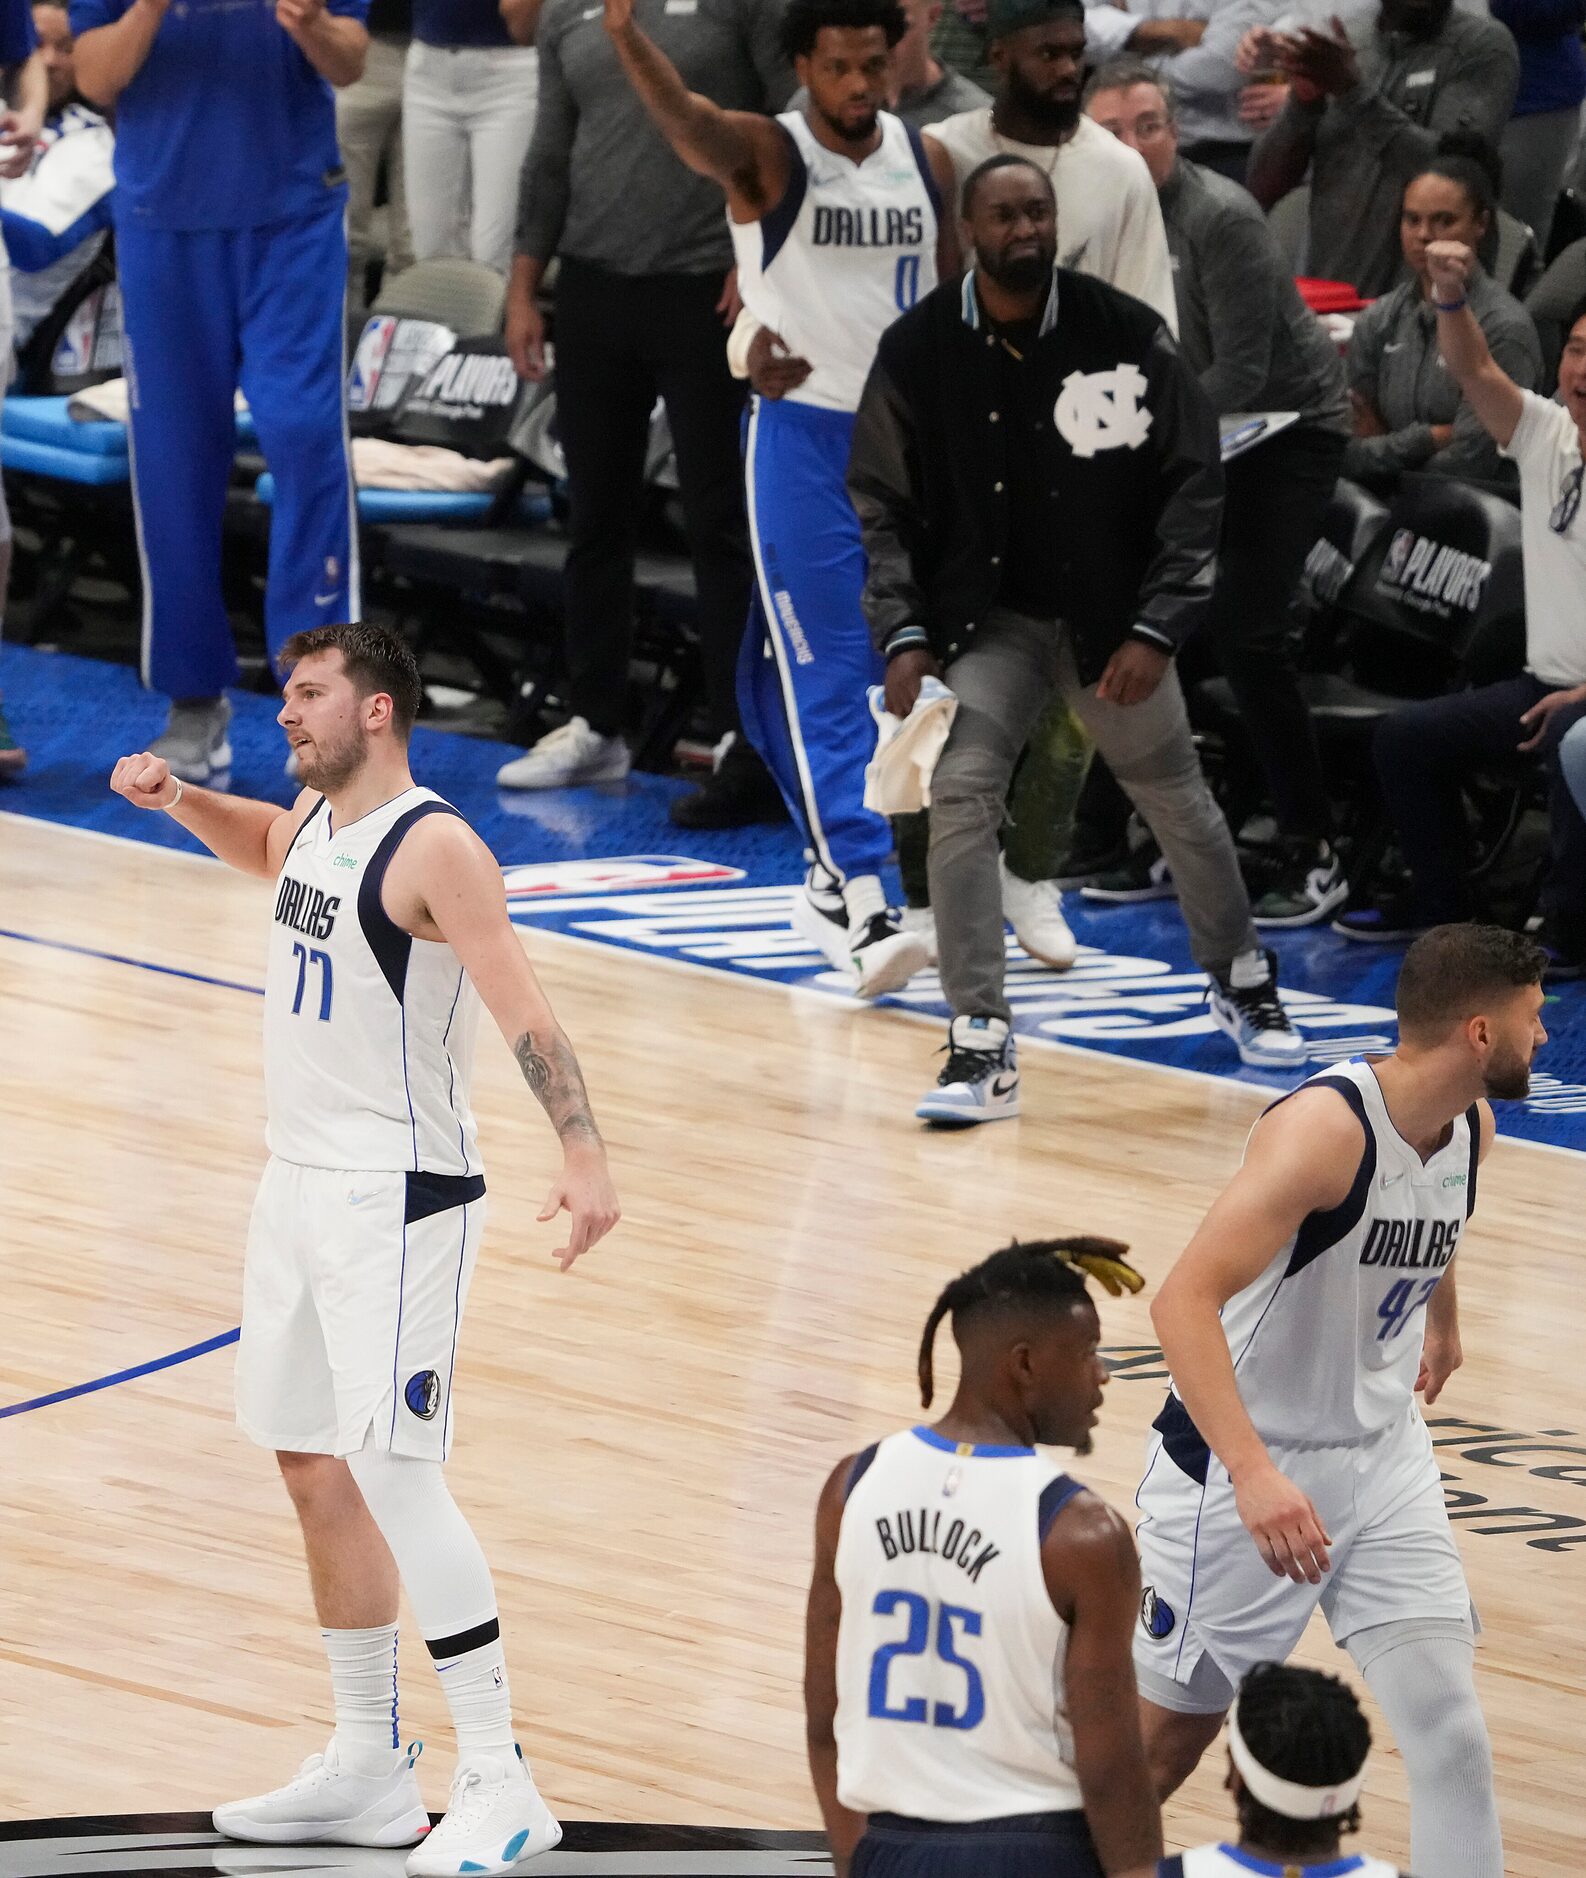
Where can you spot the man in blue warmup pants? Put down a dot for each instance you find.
(232, 246)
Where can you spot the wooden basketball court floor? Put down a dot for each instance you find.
(639, 1442)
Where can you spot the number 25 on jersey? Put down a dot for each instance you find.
(927, 1624)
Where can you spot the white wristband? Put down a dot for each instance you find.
(175, 801)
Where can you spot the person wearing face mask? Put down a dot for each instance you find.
(1363, 119)
(1409, 412)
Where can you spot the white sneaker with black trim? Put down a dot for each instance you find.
(324, 1804)
(876, 956)
(980, 1082)
(495, 1821)
(1246, 1005)
(1034, 909)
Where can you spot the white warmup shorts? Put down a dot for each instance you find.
(352, 1295)
(1212, 1607)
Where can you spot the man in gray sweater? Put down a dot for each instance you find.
(1363, 118)
(643, 303)
(1255, 347)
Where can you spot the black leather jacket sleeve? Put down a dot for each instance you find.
(1177, 589)
(883, 483)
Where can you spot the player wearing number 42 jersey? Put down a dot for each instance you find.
(968, 1693)
(840, 221)
(1291, 1467)
(388, 925)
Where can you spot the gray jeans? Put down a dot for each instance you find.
(1003, 683)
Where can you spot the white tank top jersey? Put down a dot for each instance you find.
(368, 1032)
(950, 1656)
(848, 248)
(1327, 1342)
(1227, 1861)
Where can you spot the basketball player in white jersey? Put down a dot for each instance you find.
(1297, 1747)
(840, 222)
(389, 925)
(1291, 1466)
(968, 1694)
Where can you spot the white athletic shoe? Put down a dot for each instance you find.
(876, 957)
(1034, 909)
(981, 1080)
(921, 920)
(563, 758)
(325, 1805)
(1246, 1005)
(495, 1821)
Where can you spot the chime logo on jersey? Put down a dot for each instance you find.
(1102, 410)
(423, 1394)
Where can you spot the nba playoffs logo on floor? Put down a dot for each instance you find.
(1156, 1614)
(423, 1394)
(626, 873)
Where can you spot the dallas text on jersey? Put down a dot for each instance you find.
(306, 909)
(869, 228)
(1397, 1243)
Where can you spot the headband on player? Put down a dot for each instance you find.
(1287, 1797)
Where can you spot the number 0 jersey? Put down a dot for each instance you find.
(950, 1656)
(848, 248)
(1326, 1343)
(368, 1032)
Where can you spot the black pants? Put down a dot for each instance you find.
(620, 342)
(1028, 1845)
(1425, 751)
(1277, 498)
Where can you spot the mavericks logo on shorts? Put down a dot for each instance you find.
(1155, 1613)
(423, 1394)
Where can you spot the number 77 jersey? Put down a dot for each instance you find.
(950, 1656)
(368, 1032)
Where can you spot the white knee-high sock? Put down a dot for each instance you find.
(363, 1681)
(1426, 1687)
(449, 1586)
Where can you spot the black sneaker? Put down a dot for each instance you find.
(738, 793)
(1306, 884)
(1393, 920)
(1144, 876)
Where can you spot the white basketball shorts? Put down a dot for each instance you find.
(1209, 1593)
(352, 1295)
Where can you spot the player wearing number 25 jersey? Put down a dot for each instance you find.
(971, 1710)
(1291, 1467)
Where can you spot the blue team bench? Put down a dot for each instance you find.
(40, 437)
(386, 507)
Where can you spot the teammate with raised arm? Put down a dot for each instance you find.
(841, 219)
(389, 926)
(967, 1688)
(1291, 1466)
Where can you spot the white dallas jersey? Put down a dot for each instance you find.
(1327, 1342)
(950, 1702)
(368, 1032)
(1227, 1861)
(848, 248)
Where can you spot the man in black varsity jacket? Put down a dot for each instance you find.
(1037, 479)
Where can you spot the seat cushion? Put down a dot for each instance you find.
(88, 467)
(44, 420)
(424, 505)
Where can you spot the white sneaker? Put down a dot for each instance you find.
(922, 920)
(877, 957)
(1246, 1005)
(194, 741)
(981, 1080)
(495, 1821)
(1034, 909)
(562, 758)
(326, 1805)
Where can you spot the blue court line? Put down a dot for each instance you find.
(120, 958)
(123, 1375)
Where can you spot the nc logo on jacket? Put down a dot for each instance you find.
(1102, 410)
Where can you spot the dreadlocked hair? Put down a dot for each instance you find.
(1038, 1274)
(1306, 1727)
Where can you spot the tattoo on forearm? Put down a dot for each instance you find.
(551, 1071)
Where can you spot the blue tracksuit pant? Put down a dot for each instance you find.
(807, 657)
(206, 310)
